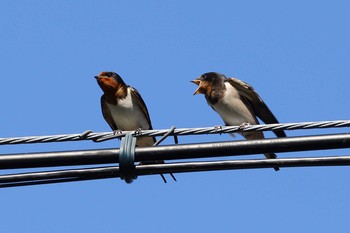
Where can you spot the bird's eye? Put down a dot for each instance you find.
(109, 74)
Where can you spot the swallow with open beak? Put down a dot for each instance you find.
(124, 109)
(237, 103)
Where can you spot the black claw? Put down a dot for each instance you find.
(118, 131)
(138, 132)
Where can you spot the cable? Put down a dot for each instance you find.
(176, 152)
(141, 170)
(183, 153)
(103, 136)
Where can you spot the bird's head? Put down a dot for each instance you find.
(109, 81)
(206, 82)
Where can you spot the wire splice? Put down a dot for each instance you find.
(171, 130)
(127, 158)
(85, 134)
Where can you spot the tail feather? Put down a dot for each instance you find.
(272, 156)
(260, 135)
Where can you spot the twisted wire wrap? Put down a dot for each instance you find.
(104, 136)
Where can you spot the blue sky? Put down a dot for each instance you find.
(295, 54)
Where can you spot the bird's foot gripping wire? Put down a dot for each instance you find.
(138, 132)
(244, 125)
(217, 128)
(118, 131)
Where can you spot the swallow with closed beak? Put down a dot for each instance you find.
(124, 109)
(237, 103)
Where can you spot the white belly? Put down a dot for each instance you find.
(232, 110)
(127, 115)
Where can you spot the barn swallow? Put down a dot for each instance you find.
(237, 103)
(124, 109)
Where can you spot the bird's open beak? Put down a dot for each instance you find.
(196, 81)
(199, 90)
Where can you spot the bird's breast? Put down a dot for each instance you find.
(127, 115)
(232, 109)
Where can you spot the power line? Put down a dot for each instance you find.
(59, 176)
(183, 153)
(176, 152)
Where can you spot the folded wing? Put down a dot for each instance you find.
(259, 107)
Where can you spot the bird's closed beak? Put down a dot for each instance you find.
(97, 77)
(199, 90)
